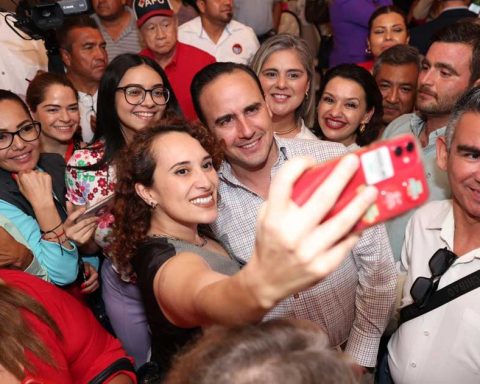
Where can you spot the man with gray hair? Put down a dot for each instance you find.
(438, 340)
(396, 73)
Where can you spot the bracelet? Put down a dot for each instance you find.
(55, 236)
(52, 230)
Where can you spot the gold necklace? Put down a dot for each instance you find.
(202, 244)
(287, 131)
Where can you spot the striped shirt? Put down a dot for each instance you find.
(128, 42)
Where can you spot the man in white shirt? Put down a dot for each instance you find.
(83, 52)
(442, 345)
(19, 59)
(215, 32)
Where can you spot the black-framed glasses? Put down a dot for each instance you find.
(423, 287)
(29, 132)
(135, 94)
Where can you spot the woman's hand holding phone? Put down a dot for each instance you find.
(294, 249)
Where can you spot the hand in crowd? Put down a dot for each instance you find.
(12, 253)
(293, 251)
(35, 186)
(91, 284)
(79, 230)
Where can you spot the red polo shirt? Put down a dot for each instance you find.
(186, 62)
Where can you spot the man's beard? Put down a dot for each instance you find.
(438, 105)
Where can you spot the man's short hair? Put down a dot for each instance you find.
(463, 32)
(469, 102)
(72, 22)
(401, 54)
(210, 73)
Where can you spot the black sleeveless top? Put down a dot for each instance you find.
(168, 339)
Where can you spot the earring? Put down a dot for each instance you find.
(368, 51)
(362, 127)
(306, 94)
(153, 204)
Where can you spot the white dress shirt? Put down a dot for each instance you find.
(443, 345)
(238, 43)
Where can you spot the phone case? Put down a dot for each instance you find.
(394, 166)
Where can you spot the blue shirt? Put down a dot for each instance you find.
(60, 263)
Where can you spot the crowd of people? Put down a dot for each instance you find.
(147, 230)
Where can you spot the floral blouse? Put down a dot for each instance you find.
(87, 187)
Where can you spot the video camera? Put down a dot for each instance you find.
(37, 17)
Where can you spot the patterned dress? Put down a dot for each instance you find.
(87, 187)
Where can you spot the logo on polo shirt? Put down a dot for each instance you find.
(237, 49)
(149, 3)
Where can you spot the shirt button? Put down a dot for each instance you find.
(413, 365)
(296, 295)
(429, 175)
(426, 333)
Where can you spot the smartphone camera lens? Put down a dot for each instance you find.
(410, 147)
(398, 151)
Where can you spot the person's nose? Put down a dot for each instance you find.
(392, 95)
(244, 128)
(18, 143)
(281, 81)
(65, 115)
(202, 180)
(148, 100)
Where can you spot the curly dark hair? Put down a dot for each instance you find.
(137, 165)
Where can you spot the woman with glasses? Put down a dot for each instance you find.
(53, 100)
(32, 196)
(133, 93)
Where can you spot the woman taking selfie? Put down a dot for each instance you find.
(32, 197)
(133, 93)
(350, 107)
(53, 101)
(285, 68)
(168, 191)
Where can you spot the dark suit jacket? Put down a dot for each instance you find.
(420, 36)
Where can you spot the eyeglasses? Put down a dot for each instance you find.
(135, 94)
(423, 287)
(28, 132)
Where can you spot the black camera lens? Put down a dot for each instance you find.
(398, 151)
(410, 147)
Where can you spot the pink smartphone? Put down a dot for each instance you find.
(394, 166)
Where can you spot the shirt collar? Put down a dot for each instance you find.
(417, 124)
(204, 35)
